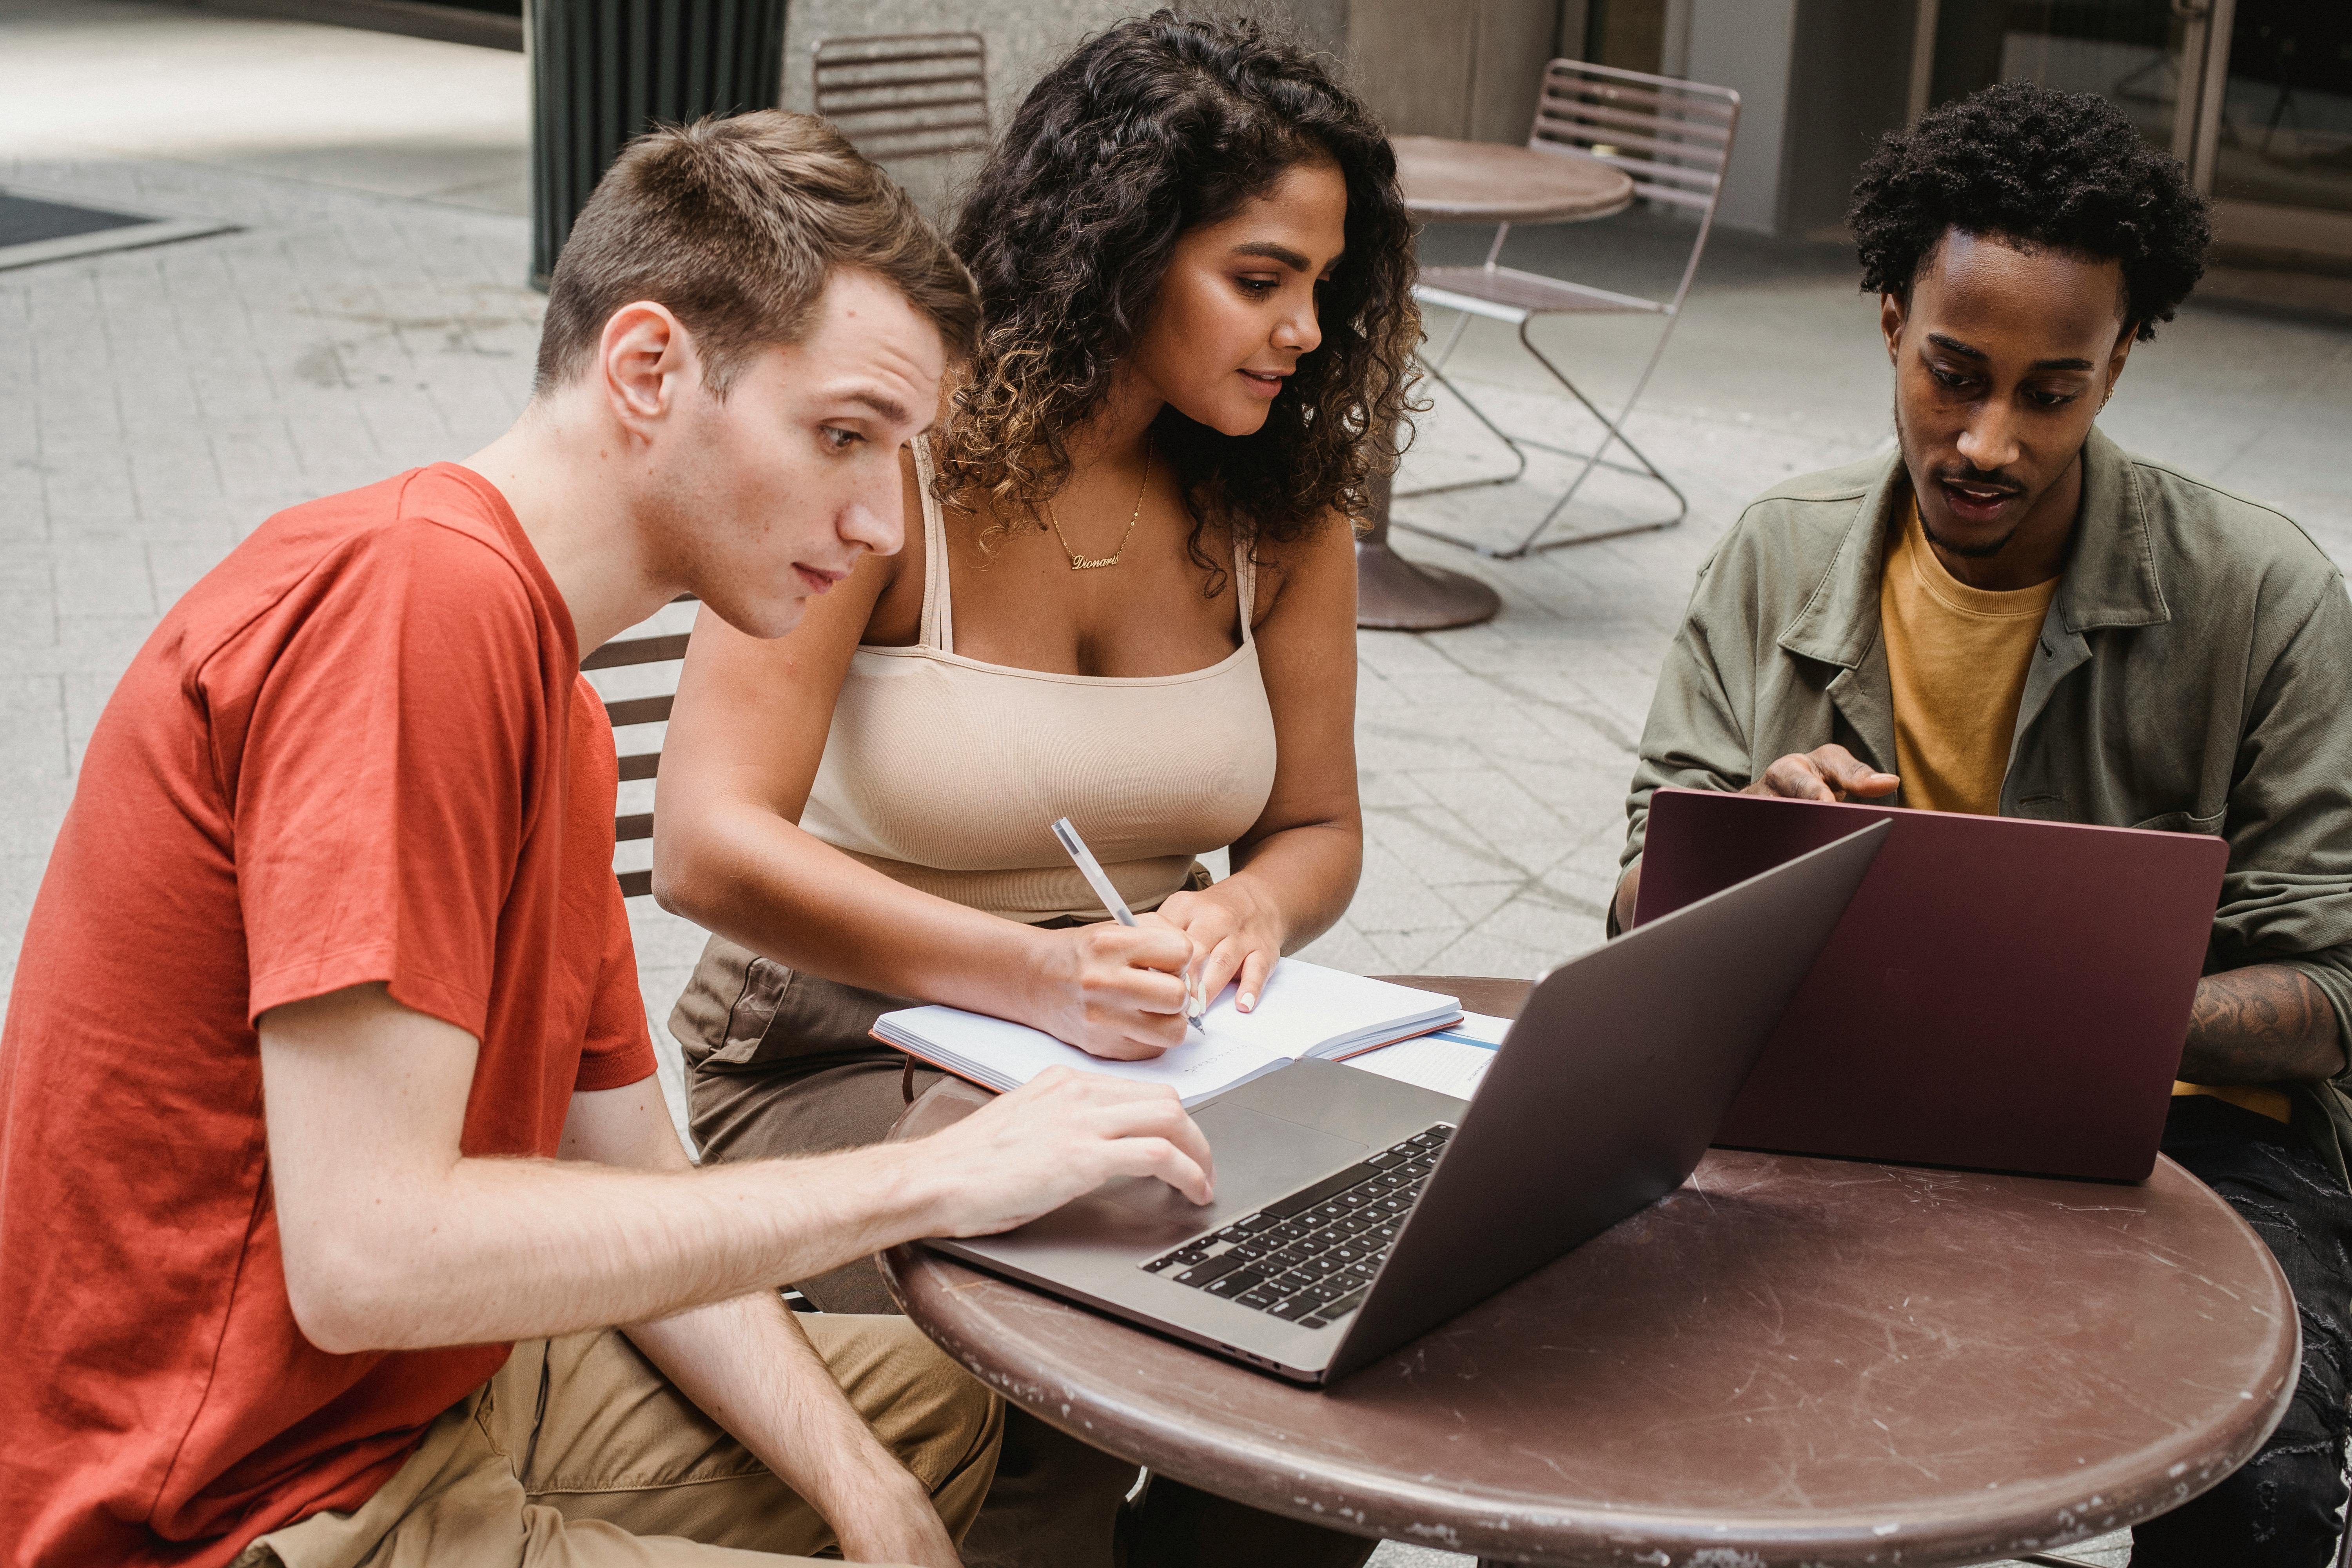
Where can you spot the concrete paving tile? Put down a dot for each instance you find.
(1549, 923)
(1414, 952)
(174, 566)
(1382, 742)
(92, 487)
(103, 578)
(1392, 895)
(1394, 654)
(1389, 787)
(1478, 953)
(85, 696)
(1518, 827)
(37, 808)
(1474, 901)
(1449, 690)
(1376, 694)
(98, 644)
(1344, 947)
(28, 618)
(32, 715)
(1437, 845)
(20, 882)
(257, 465)
(1397, 1554)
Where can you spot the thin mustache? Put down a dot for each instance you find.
(1984, 481)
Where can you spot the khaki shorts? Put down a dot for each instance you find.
(579, 1454)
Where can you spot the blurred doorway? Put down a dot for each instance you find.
(2256, 95)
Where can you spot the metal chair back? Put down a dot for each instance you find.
(1671, 138)
(659, 648)
(905, 95)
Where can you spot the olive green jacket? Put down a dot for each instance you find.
(2191, 677)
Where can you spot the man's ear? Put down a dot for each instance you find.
(645, 360)
(1890, 322)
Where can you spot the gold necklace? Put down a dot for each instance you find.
(1083, 563)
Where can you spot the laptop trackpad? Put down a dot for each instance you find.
(1259, 1158)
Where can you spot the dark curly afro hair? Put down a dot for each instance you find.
(2062, 171)
(1156, 126)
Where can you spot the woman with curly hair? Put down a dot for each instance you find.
(1127, 596)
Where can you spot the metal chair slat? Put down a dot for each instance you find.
(1687, 154)
(638, 710)
(636, 767)
(623, 651)
(905, 95)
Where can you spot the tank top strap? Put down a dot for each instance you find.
(1246, 588)
(937, 627)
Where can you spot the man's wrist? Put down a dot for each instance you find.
(861, 1488)
(909, 1199)
(875, 1504)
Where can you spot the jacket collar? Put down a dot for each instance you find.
(2111, 577)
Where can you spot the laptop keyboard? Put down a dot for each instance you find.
(1308, 1257)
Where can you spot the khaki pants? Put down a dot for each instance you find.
(579, 1454)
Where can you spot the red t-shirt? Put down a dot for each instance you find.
(360, 749)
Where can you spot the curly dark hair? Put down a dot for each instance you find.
(2064, 171)
(1154, 127)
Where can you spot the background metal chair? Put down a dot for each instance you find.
(905, 95)
(1673, 139)
(656, 648)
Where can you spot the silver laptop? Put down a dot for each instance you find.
(1354, 1213)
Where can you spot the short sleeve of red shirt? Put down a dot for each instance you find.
(378, 800)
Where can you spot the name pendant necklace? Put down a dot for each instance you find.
(1088, 563)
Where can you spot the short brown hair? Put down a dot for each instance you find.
(735, 225)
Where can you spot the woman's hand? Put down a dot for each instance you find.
(1237, 931)
(1115, 991)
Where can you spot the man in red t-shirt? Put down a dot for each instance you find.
(325, 1078)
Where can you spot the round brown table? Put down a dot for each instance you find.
(1787, 1361)
(1445, 181)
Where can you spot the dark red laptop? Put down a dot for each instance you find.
(2005, 994)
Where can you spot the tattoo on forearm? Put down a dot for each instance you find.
(2261, 1024)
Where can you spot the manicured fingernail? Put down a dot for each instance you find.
(1248, 1000)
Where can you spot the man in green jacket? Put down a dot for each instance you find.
(2014, 617)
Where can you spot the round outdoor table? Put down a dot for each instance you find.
(1785, 1361)
(1445, 181)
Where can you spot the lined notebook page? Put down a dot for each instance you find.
(1451, 1062)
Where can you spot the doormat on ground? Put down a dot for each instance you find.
(39, 228)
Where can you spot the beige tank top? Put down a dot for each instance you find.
(943, 771)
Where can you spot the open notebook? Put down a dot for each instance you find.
(1305, 1010)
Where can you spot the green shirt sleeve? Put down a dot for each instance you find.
(1695, 737)
(2287, 895)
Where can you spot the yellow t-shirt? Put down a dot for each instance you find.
(1957, 659)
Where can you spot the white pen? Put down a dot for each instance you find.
(1091, 869)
